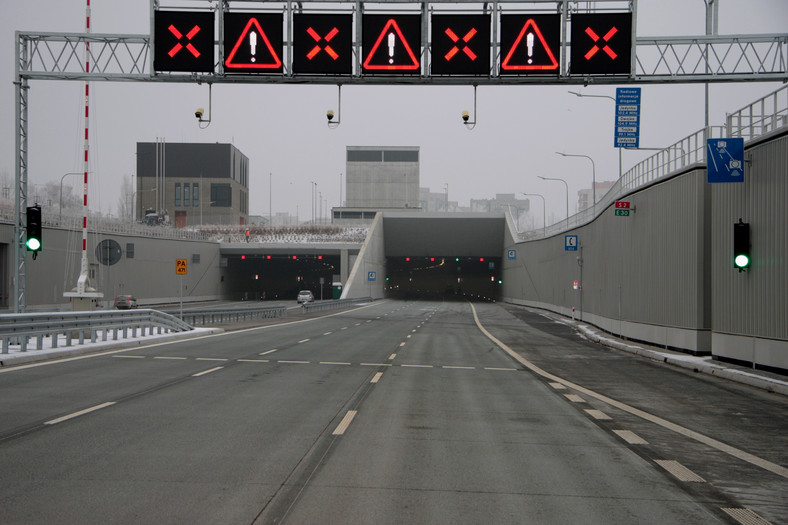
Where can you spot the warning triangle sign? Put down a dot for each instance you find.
(391, 51)
(530, 51)
(253, 50)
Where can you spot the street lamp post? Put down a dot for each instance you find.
(577, 93)
(593, 175)
(544, 211)
(567, 195)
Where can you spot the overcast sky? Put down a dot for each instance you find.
(282, 129)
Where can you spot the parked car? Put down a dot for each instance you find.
(125, 302)
(305, 296)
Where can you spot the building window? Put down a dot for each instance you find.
(196, 195)
(130, 250)
(196, 258)
(221, 195)
(364, 155)
(187, 197)
(400, 156)
(177, 193)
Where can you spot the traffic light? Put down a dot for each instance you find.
(33, 242)
(741, 245)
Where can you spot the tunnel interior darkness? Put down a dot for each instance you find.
(279, 277)
(446, 277)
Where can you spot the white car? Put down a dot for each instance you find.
(305, 296)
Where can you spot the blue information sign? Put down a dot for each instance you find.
(570, 243)
(725, 160)
(627, 123)
(372, 276)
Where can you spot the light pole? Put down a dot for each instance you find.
(577, 93)
(593, 175)
(61, 191)
(544, 211)
(567, 195)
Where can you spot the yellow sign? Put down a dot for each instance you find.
(180, 266)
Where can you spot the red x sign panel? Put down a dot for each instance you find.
(601, 44)
(460, 44)
(322, 44)
(183, 41)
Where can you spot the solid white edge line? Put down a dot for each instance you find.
(342, 427)
(664, 423)
(80, 413)
(198, 374)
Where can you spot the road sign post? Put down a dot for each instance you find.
(181, 267)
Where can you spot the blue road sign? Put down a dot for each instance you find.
(725, 160)
(627, 123)
(511, 254)
(372, 276)
(570, 243)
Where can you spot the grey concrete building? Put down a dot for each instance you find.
(382, 177)
(190, 184)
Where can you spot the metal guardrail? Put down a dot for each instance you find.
(204, 317)
(18, 329)
(333, 304)
(760, 117)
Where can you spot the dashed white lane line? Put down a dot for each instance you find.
(344, 423)
(376, 377)
(574, 398)
(304, 340)
(501, 369)
(343, 328)
(211, 359)
(334, 363)
(681, 472)
(392, 357)
(402, 344)
(417, 366)
(254, 361)
(374, 364)
(328, 333)
(408, 336)
(129, 356)
(558, 386)
(598, 414)
(80, 413)
(293, 362)
(630, 437)
(686, 432)
(167, 358)
(269, 351)
(459, 367)
(204, 372)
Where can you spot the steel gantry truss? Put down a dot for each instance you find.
(115, 57)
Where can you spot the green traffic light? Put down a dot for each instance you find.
(33, 244)
(741, 261)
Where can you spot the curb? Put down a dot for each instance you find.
(21, 358)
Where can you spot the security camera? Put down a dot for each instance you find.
(330, 115)
(465, 116)
(199, 113)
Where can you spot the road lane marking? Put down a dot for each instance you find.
(129, 356)
(375, 364)
(664, 423)
(574, 398)
(328, 333)
(376, 377)
(170, 358)
(460, 367)
(745, 516)
(343, 328)
(80, 413)
(416, 366)
(211, 359)
(254, 361)
(303, 341)
(501, 369)
(630, 437)
(334, 363)
(408, 336)
(268, 352)
(344, 423)
(681, 472)
(392, 357)
(198, 374)
(598, 414)
(293, 362)
(402, 344)
(558, 386)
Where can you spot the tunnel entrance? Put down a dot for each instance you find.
(279, 277)
(447, 278)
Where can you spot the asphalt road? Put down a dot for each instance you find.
(394, 412)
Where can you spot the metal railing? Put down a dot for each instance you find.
(333, 304)
(205, 317)
(765, 115)
(18, 329)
